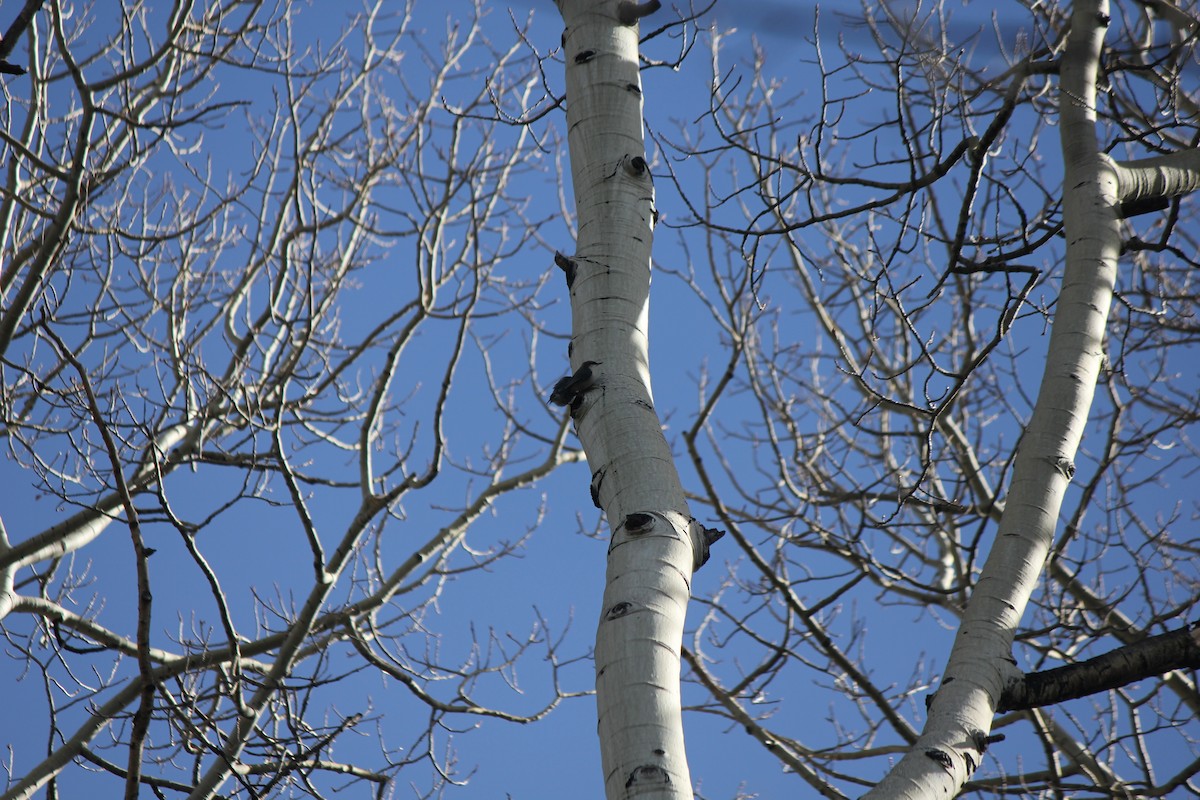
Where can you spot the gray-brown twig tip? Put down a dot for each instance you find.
(629, 12)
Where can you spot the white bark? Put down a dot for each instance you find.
(649, 569)
(1160, 177)
(981, 661)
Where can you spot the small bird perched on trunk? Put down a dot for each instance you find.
(569, 390)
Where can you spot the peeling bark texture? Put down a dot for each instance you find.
(1157, 655)
(980, 667)
(651, 555)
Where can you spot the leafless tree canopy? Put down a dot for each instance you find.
(260, 313)
(279, 318)
(887, 246)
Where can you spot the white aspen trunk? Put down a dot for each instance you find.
(650, 559)
(981, 663)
